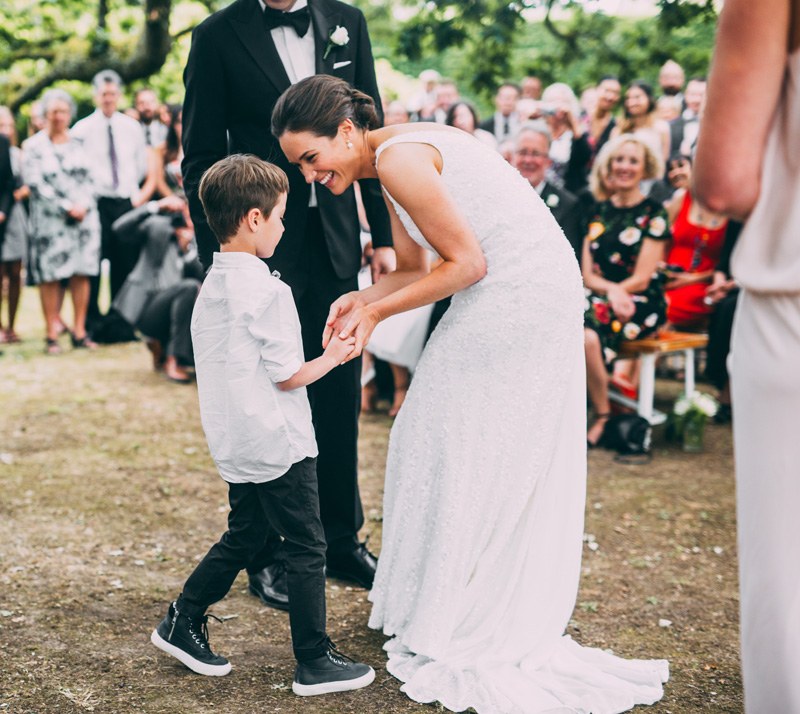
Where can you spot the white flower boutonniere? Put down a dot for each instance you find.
(552, 200)
(339, 37)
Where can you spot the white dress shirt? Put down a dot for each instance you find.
(128, 144)
(298, 57)
(246, 338)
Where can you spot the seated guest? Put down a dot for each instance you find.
(601, 121)
(64, 222)
(170, 155)
(159, 294)
(396, 113)
(641, 119)
(697, 238)
(569, 145)
(621, 252)
(532, 159)
(723, 294)
(462, 115)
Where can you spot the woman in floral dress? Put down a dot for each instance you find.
(65, 228)
(621, 253)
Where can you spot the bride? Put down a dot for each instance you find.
(485, 478)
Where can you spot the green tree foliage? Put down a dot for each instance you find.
(65, 42)
(491, 41)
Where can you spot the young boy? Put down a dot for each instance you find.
(251, 382)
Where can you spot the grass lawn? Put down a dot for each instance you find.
(109, 498)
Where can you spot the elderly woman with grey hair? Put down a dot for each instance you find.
(65, 230)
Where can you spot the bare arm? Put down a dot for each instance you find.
(409, 172)
(334, 355)
(746, 76)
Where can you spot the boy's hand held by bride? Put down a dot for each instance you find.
(339, 350)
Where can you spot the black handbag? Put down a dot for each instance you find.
(628, 435)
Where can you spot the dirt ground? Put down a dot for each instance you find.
(108, 498)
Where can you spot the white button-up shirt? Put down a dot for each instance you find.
(130, 148)
(246, 337)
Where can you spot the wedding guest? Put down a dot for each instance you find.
(697, 238)
(65, 229)
(462, 115)
(118, 155)
(36, 120)
(569, 146)
(14, 246)
(671, 79)
(251, 381)
(230, 93)
(601, 121)
(396, 113)
(723, 296)
(424, 102)
(624, 244)
(446, 96)
(171, 155)
(147, 107)
(531, 88)
(641, 119)
(532, 159)
(685, 129)
(504, 122)
(668, 109)
(158, 296)
(747, 168)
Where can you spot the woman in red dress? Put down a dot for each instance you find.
(697, 238)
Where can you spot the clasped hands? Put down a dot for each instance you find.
(351, 321)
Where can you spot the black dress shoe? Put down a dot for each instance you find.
(357, 566)
(270, 586)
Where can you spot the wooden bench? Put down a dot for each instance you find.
(648, 350)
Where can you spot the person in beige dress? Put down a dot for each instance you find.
(747, 167)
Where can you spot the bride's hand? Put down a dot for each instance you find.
(360, 324)
(340, 310)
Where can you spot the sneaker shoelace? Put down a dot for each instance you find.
(201, 635)
(338, 657)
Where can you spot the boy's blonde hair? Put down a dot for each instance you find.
(235, 185)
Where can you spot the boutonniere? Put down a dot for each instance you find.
(338, 38)
(552, 200)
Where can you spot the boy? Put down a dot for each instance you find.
(251, 383)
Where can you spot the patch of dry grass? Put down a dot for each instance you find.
(109, 498)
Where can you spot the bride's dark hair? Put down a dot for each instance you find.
(319, 104)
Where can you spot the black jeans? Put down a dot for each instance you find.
(167, 317)
(289, 506)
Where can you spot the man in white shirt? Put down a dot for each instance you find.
(505, 121)
(118, 155)
(146, 104)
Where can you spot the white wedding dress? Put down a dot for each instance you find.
(485, 479)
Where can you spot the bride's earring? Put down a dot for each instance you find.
(349, 144)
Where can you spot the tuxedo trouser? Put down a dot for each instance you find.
(288, 505)
(335, 404)
(167, 317)
(121, 256)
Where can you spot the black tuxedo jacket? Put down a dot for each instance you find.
(6, 184)
(233, 79)
(569, 214)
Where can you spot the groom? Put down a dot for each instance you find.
(242, 58)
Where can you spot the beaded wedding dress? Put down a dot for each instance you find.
(485, 479)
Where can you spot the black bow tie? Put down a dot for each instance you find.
(299, 19)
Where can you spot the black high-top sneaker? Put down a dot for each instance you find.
(186, 639)
(333, 672)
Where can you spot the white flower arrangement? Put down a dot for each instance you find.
(688, 419)
(553, 200)
(339, 37)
